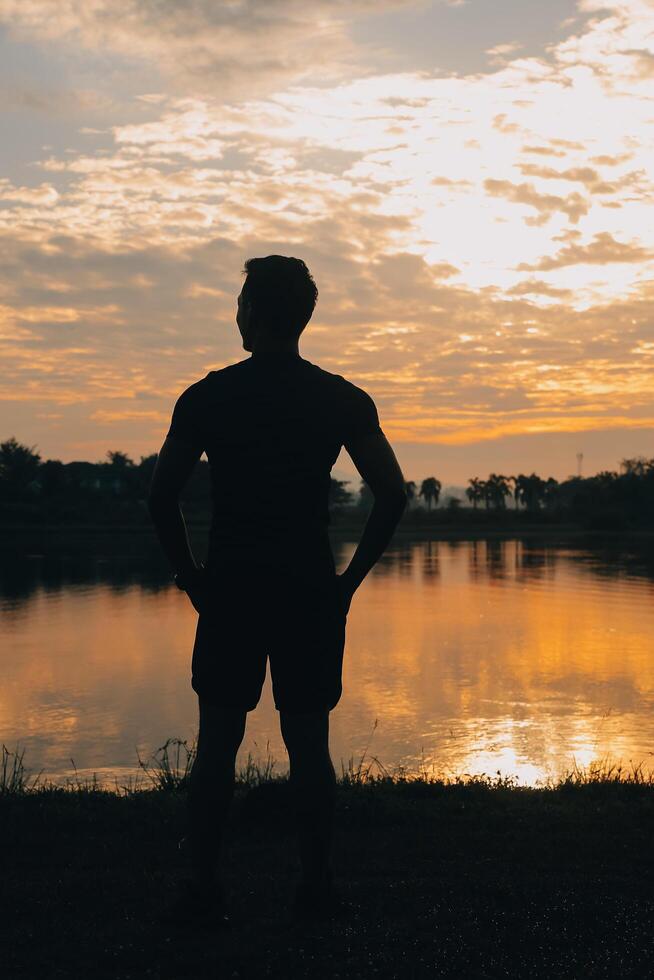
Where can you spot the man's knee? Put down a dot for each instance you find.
(306, 732)
(221, 728)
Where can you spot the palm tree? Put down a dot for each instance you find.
(514, 492)
(430, 489)
(497, 489)
(474, 492)
(550, 492)
(530, 490)
(637, 466)
(120, 471)
(410, 488)
(521, 489)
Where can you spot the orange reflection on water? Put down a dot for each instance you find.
(511, 658)
(96, 670)
(472, 657)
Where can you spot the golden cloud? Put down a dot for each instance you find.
(404, 193)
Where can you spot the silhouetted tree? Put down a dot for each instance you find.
(84, 478)
(634, 490)
(639, 466)
(120, 475)
(19, 467)
(430, 490)
(521, 488)
(52, 478)
(366, 496)
(339, 495)
(530, 490)
(32, 489)
(496, 490)
(514, 492)
(145, 470)
(550, 492)
(119, 461)
(474, 492)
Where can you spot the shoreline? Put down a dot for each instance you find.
(425, 531)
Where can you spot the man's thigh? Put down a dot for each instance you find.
(229, 653)
(306, 648)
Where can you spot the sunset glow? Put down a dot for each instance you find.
(481, 236)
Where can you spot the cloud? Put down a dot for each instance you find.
(121, 253)
(591, 179)
(241, 46)
(584, 175)
(44, 194)
(602, 250)
(450, 182)
(128, 415)
(573, 205)
(644, 61)
(545, 151)
(500, 54)
(453, 431)
(501, 124)
(446, 365)
(611, 161)
(536, 287)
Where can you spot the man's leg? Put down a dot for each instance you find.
(211, 786)
(313, 788)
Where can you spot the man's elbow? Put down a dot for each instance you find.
(393, 500)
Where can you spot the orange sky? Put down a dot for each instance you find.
(472, 194)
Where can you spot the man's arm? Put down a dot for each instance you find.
(174, 466)
(375, 460)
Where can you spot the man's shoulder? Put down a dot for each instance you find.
(231, 377)
(227, 370)
(222, 378)
(194, 394)
(337, 382)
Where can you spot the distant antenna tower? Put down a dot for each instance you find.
(580, 460)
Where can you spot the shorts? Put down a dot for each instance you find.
(251, 613)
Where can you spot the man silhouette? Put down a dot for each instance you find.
(272, 426)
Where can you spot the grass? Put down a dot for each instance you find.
(168, 770)
(469, 877)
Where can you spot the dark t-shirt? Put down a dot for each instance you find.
(272, 427)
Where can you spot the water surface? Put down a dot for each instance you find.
(513, 656)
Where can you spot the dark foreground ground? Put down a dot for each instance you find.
(467, 881)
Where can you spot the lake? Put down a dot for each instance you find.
(518, 656)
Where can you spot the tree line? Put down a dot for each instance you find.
(529, 492)
(116, 489)
(609, 499)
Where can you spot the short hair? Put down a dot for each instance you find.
(282, 291)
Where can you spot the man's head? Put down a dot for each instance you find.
(276, 301)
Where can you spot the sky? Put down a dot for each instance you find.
(469, 181)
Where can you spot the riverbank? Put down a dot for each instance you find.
(423, 530)
(463, 879)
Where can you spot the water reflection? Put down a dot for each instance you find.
(472, 656)
(53, 575)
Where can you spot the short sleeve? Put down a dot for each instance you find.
(361, 417)
(188, 417)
